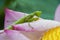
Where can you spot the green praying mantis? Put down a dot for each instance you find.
(28, 18)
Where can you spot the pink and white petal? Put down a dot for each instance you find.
(35, 35)
(44, 24)
(15, 35)
(40, 25)
(11, 16)
(23, 27)
(22, 35)
(57, 13)
(3, 36)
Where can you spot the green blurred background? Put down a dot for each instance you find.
(47, 7)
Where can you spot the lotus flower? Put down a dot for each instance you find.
(26, 31)
(40, 24)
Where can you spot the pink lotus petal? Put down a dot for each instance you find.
(22, 35)
(15, 35)
(23, 27)
(3, 36)
(40, 25)
(11, 16)
(43, 24)
(35, 35)
(57, 13)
